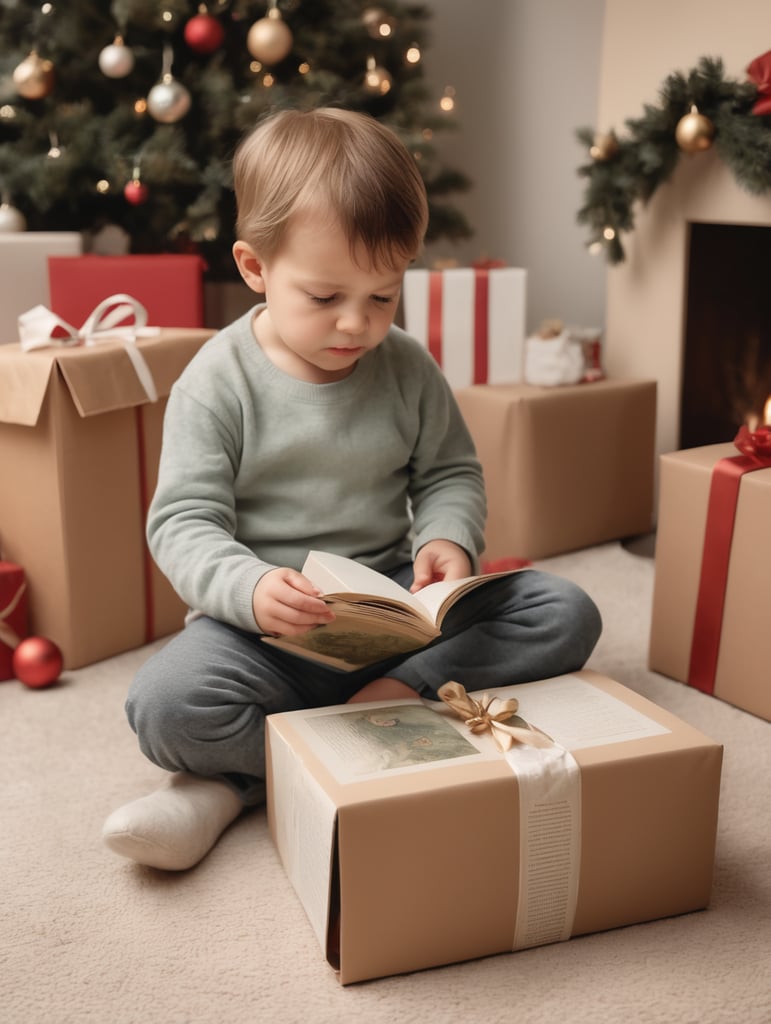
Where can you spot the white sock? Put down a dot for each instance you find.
(174, 827)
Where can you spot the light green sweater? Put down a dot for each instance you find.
(257, 468)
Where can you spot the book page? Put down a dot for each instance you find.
(335, 574)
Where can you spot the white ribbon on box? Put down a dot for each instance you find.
(37, 327)
(454, 316)
(549, 783)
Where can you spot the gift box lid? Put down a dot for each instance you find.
(99, 378)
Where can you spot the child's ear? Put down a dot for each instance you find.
(249, 266)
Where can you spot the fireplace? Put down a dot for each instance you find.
(726, 369)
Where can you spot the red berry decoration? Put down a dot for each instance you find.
(37, 662)
(204, 34)
(136, 193)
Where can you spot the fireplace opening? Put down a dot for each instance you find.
(727, 341)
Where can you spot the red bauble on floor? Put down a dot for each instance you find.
(37, 662)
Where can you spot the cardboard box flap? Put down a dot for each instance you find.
(100, 378)
(23, 383)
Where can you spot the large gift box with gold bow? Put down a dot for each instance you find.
(712, 592)
(422, 833)
(79, 445)
(565, 467)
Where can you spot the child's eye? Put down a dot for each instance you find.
(322, 300)
(384, 299)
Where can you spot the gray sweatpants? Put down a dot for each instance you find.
(199, 704)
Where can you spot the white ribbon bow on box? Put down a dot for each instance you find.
(37, 326)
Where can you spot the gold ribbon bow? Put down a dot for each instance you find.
(479, 717)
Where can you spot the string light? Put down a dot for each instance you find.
(447, 102)
(609, 234)
(304, 68)
(55, 150)
(103, 186)
(413, 54)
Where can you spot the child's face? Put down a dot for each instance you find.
(324, 311)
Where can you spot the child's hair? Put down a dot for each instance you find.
(340, 161)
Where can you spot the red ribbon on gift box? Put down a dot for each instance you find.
(727, 474)
(13, 617)
(481, 320)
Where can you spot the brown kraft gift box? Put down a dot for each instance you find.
(79, 447)
(565, 467)
(742, 674)
(415, 865)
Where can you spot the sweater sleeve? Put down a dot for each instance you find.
(191, 526)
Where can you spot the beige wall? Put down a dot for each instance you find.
(527, 75)
(645, 295)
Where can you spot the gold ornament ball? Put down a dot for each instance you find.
(604, 146)
(694, 132)
(34, 77)
(270, 39)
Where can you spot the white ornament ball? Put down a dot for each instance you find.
(168, 101)
(11, 219)
(116, 60)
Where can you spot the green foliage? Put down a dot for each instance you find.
(648, 152)
(186, 165)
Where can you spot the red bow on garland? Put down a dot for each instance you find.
(760, 73)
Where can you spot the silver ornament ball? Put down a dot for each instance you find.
(116, 60)
(11, 219)
(168, 101)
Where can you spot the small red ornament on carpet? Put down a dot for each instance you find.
(37, 662)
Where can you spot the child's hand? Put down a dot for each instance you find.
(286, 603)
(440, 560)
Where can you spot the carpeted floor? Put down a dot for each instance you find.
(87, 937)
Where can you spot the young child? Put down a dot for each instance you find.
(312, 422)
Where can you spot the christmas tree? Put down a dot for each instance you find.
(128, 113)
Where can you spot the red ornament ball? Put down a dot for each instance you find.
(136, 193)
(204, 34)
(37, 662)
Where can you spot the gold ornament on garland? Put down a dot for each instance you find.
(34, 77)
(604, 146)
(694, 132)
(270, 39)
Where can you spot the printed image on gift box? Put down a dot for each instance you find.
(472, 321)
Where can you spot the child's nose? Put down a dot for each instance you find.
(352, 321)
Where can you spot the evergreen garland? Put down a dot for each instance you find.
(648, 154)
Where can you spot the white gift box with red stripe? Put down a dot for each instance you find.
(471, 320)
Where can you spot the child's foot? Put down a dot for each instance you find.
(174, 827)
(384, 688)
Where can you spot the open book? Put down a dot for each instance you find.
(375, 618)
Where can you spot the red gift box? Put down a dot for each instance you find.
(13, 614)
(170, 287)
